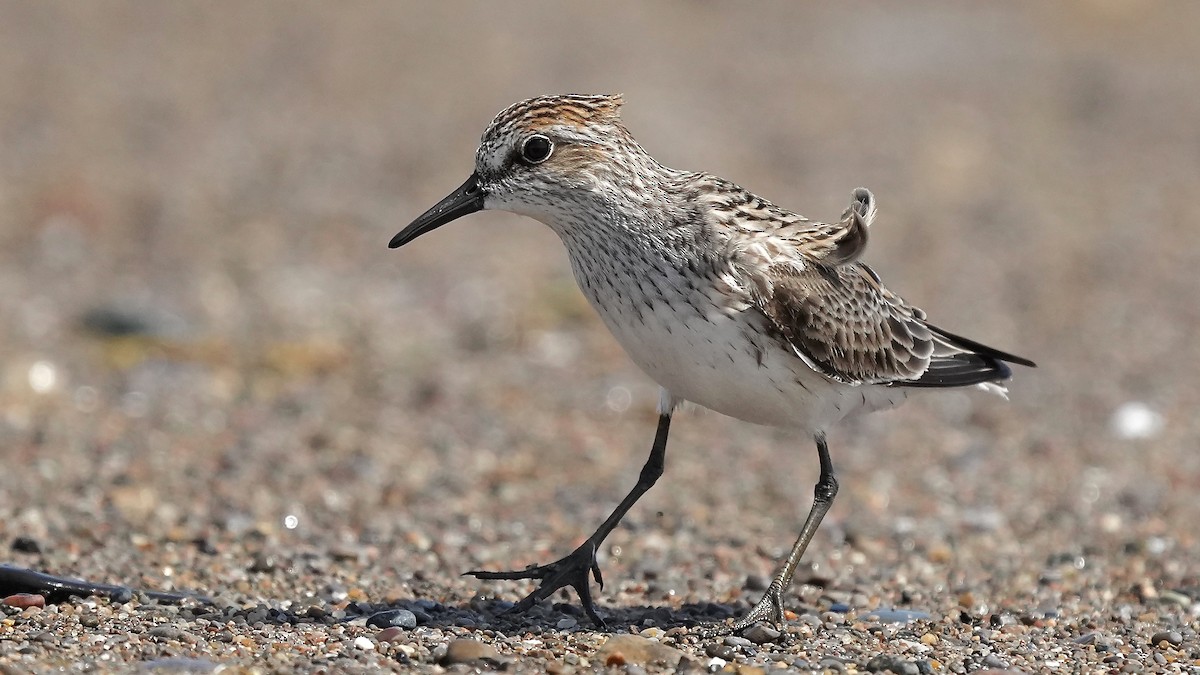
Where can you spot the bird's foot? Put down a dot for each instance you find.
(768, 609)
(571, 570)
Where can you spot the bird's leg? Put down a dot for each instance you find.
(770, 607)
(572, 570)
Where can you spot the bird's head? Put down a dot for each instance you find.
(544, 158)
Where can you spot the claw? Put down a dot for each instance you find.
(571, 570)
(769, 609)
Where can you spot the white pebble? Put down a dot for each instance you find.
(1135, 420)
(364, 643)
(42, 377)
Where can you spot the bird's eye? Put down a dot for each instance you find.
(536, 149)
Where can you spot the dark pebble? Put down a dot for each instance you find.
(839, 607)
(204, 546)
(315, 612)
(757, 582)
(263, 562)
(1171, 637)
(26, 545)
(720, 651)
(121, 596)
(400, 618)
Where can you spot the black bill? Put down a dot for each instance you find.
(467, 199)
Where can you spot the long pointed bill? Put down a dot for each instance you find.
(467, 199)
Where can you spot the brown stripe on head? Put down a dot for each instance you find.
(573, 109)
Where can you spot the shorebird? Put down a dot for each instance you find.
(723, 298)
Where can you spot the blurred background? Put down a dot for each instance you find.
(203, 335)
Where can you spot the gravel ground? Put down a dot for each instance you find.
(281, 444)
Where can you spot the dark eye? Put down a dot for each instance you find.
(536, 149)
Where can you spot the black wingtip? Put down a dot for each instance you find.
(982, 349)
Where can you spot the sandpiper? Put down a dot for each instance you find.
(720, 296)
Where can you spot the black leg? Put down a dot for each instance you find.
(770, 607)
(573, 569)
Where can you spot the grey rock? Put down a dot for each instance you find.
(400, 618)
(1171, 637)
(889, 663)
(761, 635)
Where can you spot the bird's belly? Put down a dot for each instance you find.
(720, 361)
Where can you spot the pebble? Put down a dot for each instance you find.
(566, 624)
(400, 618)
(23, 600)
(757, 582)
(891, 663)
(26, 545)
(1171, 637)
(720, 651)
(465, 650)
(897, 615)
(736, 641)
(635, 649)
(391, 634)
(760, 634)
(364, 643)
(993, 661)
(166, 633)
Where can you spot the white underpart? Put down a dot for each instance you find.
(714, 363)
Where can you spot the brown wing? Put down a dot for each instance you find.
(834, 313)
(845, 324)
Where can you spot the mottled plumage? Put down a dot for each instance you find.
(722, 297)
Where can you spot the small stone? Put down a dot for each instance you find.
(364, 643)
(993, 661)
(166, 633)
(390, 634)
(894, 664)
(24, 600)
(1172, 637)
(26, 545)
(263, 562)
(757, 582)
(897, 615)
(736, 641)
(761, 635)
(832, 663)
(400, 618)
(720, 651)
(566, 624)
(637, 650)
(929, 639)
(833, 618)
(465, 650)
